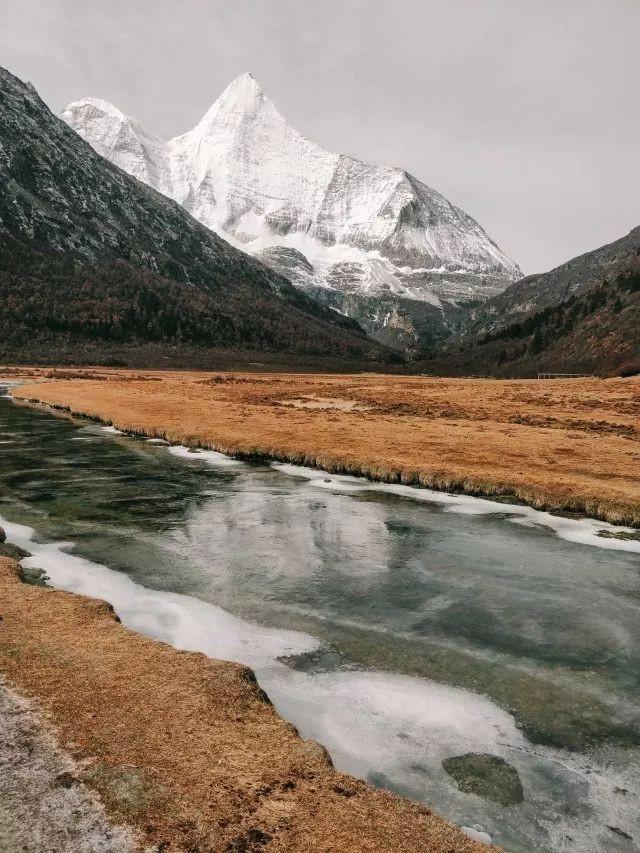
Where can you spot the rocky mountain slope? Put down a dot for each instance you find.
(349, 233)
(583, 316)
(91, 255)
(575, 277)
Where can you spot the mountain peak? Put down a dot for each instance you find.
(242, 100)
(246, 173)
(243, 91)
(245, 80)
(97, 104)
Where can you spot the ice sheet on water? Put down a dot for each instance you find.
(210, 456)
(393, 729)
(582, 531)
(182, 621)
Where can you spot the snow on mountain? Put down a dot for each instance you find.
(328, 221)
(96, 265)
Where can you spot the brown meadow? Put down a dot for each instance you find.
(189, 750)
(562, 445)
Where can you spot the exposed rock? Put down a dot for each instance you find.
(620, 832)
(33, 576)
(488, 776)
(324, 659)
(14, 552)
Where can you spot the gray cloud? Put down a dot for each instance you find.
(524, 114)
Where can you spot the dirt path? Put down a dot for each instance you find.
(43, 805)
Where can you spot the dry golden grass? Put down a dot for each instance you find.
(188, 750)
(559, 444)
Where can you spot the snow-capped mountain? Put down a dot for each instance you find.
(96, 266)
(329, 222)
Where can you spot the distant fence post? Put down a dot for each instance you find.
(566, 376)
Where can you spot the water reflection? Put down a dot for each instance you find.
(546, 628)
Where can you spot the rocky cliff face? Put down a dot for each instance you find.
(329, 222)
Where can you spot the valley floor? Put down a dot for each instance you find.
(186, 751)
(562, 445)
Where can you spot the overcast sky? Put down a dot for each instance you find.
(524, 113)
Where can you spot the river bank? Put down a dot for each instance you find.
(406, 630)
(563, 446)
(185, 749)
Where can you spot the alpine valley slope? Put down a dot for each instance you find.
(97, 266)
(583, 316)
(371, 241)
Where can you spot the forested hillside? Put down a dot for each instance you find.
(597, 331)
